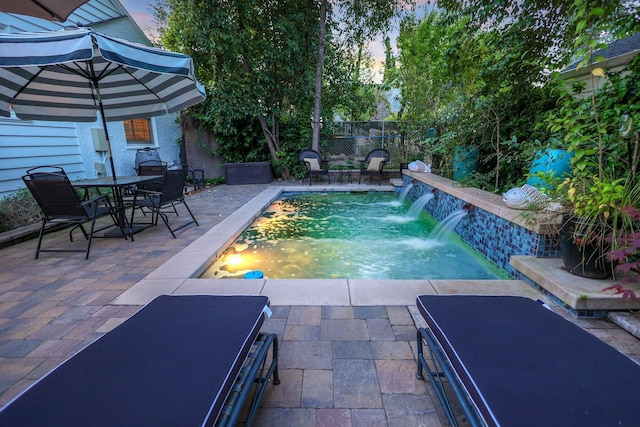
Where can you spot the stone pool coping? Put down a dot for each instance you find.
(545, 276)
(179, 275)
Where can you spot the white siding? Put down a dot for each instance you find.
(24, 145)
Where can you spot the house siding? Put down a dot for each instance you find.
(616, 57)
(25, 144)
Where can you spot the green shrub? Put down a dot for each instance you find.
(17, 210)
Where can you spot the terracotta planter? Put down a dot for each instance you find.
(585, 260)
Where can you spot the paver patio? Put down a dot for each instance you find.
(340, 365)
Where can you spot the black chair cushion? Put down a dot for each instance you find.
(524, 365)
(171, 364)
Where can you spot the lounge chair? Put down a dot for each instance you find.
(179, 361)
(60, 205)
(314, 164)
(513, 362)
(373, 164)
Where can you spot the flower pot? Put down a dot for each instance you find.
(585, 259)
(550, 160)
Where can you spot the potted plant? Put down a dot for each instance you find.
(604, 173)
(598, 130)
(595, 224)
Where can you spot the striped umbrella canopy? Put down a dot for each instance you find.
(55, 10)
(69, 75)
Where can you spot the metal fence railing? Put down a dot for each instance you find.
(353, 140)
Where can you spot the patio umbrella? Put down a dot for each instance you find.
(69, 75)
(54, 10)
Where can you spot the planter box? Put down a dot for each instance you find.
(248, 173)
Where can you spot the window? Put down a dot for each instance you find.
(138, 131)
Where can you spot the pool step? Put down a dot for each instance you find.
(585, 297)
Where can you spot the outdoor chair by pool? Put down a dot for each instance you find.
(149, 168)
(61, 205)
(171, 195)
(511, 361)
(373, 164)
(189, 360)
(152, 168)
(314, 164)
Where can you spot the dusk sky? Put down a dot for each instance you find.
(142, 12)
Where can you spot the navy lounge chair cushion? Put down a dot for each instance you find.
(171, 364)
(524, 365)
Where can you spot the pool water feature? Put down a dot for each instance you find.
(357, 235)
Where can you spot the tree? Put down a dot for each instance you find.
(361, 21)
(544, 29)
(255, 57)
(259, 60)
(475, 89)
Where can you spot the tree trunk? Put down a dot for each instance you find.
(315, 142)
(273, 144)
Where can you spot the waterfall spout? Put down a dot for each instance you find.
(405, 191)
(448, 224)
(469, 209)
(419, 204)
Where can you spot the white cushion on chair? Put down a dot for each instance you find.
(313, 163)
(374, 163)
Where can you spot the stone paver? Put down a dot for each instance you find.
(340, 365)
(317, 388)
(356, 384)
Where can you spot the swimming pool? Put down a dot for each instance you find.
(349, 235)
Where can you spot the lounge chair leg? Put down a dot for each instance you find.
(420, 356)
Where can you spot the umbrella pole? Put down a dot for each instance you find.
(106, 137)
(117, 190)
(94, 81)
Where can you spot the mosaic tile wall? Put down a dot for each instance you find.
(493, 236)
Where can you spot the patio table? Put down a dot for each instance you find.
(118, 187)
(344, 169)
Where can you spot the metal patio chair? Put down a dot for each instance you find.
(60, 205)
(315, 165)
(149, 168)
(152, 168)
(171, 195)
(373, 164)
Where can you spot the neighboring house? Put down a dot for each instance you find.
(388, 103)
(616, 56)
(26, 144)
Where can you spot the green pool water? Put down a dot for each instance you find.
(356, 236)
